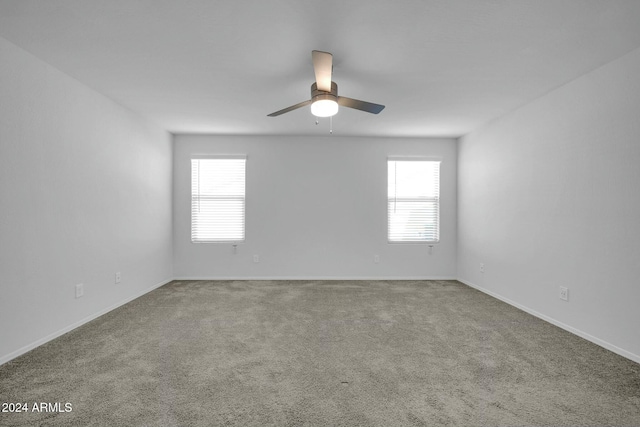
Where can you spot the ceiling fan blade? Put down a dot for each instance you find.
(293, 107)
(323, 67)
(369, 107)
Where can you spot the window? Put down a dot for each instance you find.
(413, 202)
(217, 199)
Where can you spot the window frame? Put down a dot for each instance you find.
(437, 199)
(244, 197)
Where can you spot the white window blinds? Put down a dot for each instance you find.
(217, 199)
(413, 202)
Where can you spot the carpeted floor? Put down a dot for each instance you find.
(315, 353)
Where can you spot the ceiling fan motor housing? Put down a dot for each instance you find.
(317, 94)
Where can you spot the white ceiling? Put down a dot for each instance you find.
(442, 68)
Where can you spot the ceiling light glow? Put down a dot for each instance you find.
(324, 108)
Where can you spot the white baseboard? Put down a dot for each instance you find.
(5, 358)
(314, 278)
(622, 352)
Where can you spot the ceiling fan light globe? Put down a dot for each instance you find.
(324, 108)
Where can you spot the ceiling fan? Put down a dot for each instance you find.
(324, 92)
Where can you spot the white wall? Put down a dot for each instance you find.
(85, 191)
(316, 208)
(549, 196)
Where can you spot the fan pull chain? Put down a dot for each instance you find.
(330, 124)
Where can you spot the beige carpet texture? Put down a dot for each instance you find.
(320, 353)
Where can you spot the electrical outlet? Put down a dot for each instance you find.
(79, 290)
(564, 293)
(118, 277)
(482, 267)
(256, 258)
(376, 259)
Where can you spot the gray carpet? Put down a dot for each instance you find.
(284, 353)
